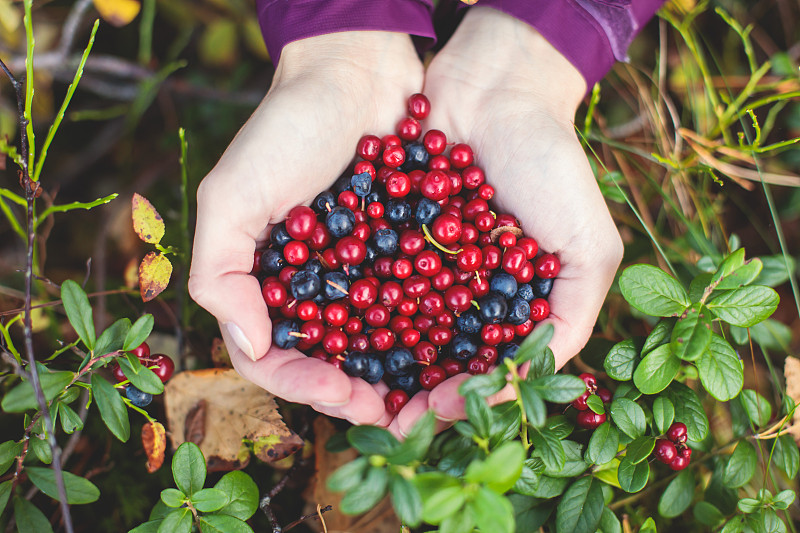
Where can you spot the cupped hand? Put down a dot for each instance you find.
(501, 88)
(327, 92)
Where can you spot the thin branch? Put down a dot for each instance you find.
(311, 516)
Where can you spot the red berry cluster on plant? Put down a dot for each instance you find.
(587, 418)
(402, 271)
(161, 365)
(673, 450)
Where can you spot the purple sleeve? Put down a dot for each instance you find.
(285, 21)
(591, 34)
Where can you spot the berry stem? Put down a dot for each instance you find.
(138, 410)
(512, 369)
(430, 239)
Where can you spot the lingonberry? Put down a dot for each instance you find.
(394, 156)
(336, 314)
(306, 310)
(358, 343)
(428, 263)
(604, 394)
(446, 229)
(382, 339)
(398, 185)
(364, 167)
(395, 400)
(425, 352)
(334, 342)
(679, 463)
(452, 366)
(362, 294)
(489, 353)
(524, 329)
(446, 319)
(296, 252)
(410, 337)
(525, 274)
(589, 419)
(579, 403)
(116, 371)
(473, 177)
(435, 185)
(419, 106)
(368, 147)
(274, 293)
(486, 191)
(435, 142)
(540, 309)
(431, 304)
(416, 286)
(677, 432)
(458, 298)
(590, 380)
(492, 334)
(461, 155)
(547, 266)
(477, 365)
(348, 199)
(409, 129)
(440, 335)
(439, 162)
(314, 330)
(431, 376)
(665, 451)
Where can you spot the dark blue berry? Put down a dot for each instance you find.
(507, 351)
(427, 211)
(541, 287)
(463, 346)
(408, 383)
(518, 311)
(272, 261)
(355, 272)
(385, 241)
(361, 184)
(493, 307)
(281, 334)
(525, 292)
(340, 222)
(374, 196)
(504, 283)
(314, 265)
(374, 371)
(416, 157)
(397, 211)
(335, 285)
(137, 397)
(399, 361)
(371, 255)
(324, 202)
(355, 364)
(279, 236)
(305, 285)
(341, 184)
(469, 321)
(319, 299)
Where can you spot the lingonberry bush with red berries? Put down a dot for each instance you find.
(677, 414)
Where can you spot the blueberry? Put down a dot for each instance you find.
(355, 364)
(361, 184)
(314, 265)
(504, 283)
(355, 272)
(525, 292)
(541, 286)
(341, 184)
(374, 196)
(319, 299)
(340, 222)
(305, 285)
(518, 312)
(385, 241)
(399, 361)
(335, 285)
(371, 256)
(323, 202)
(469, 321)
(408, 383)
(427, 211)
(272, 261)
(507, 351)
(137, 397)
(493, 307)
(398, 211)
(281, 334)
(416, 157)
(463, 346)
(374, 371)
(279, 236)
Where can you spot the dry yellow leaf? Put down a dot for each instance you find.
(147, 223)
(154, 442)
(118, 12)
(154, 273)
(791, 371)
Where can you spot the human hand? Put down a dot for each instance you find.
(501, 88)
(327, 92)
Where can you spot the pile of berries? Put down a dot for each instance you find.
(673, 450)
(161, 365)
(587, 418)
(402, 271)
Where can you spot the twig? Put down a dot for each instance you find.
(267, 499)
(312, 516)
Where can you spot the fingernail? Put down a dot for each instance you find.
(403, 433)
(351, 421)
(239, 339)
(443, 419)
(332, 404)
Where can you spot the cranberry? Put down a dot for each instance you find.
(484, 221)
(362, 294)
(431, 304)
(411, 242)
(477, 365)
(540, 309)
(492, 334)
(440, 335)
(507, 239)
(604, 394)
(395, 401)
(410, 337)
(296, 252)
(361, 231)
(679, 463)
(428, 263)
(677, 432)
(590, 380)
(377, 315)
(314, 331)
(409, 129)
(665, 451)
(452, 366)
(479, 287)
(348, 199)
(394, 156)
(431, 376)
(446, 229)
(469, 233)
(589, 419)
(408, 306)
(274, 293)
(164, 367)
(416, 286)
(368, 147)
(489, 353)
(390, 294)
(334, 342)
(300, 222)
(306, 310)
(425, 352)
(492, 256)
(508, 332)
(434, 141)
(399, 323)
(390, 140)
(375, 210)
(513, 259)
(402, 268)
(419, 106)
(435, 185)
(398, 185)
(524, 329)
(461, 155)
(438, 162)
(458, 298)
(350, 250)
(470, 258)
(359, 343)
(579, 403)
(444, 279)
(416, 177)
(320, 238)
(382, 339)
(473, 177)
(525, 273)
(446, 319)
(486, 191)
(547, 266)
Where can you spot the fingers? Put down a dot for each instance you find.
(364, 406)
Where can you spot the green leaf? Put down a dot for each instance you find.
(173, 497)
(663, 413)
(138, 332)
(220, 523)
(9, 451)
(492, 512)
(112, 408)
(478, 413)
(367, 494)
(241, 493)
(621, 360)
(79, 312)
(79, 490)
(549, 448)
(528, 480)
(720, 370)
(111, 339)
(371, 440)
(653, 292)
(22, 398)
(771, 334)
(177, 521)
(529, 513)
(484, 384)
(209, 500)
(692, 334)
(786, 455)
(769, 522)
(728, 266)
(550, 487)
(145, 379)
(640, 449)
(348, 475)
(406, 500)
(29, 518)
(417, 442)
(501, 469)
(756, 406)
(560, 388)
(151, 526)
(533, 404)
(688, 410)
(649, 526)
(458, 523)
(442, 503)
(628, 416)
(595, 404)
(741, 466)
(189, 468)
(678, 495)
(5, 493)
(542, 364)
(633, 477)
(707, 514)
(744, 275)
(581, 507)
(534, 344)
(560, 426)
(775, 271)
(41, 449)
(574, 464)
(745, 307)
(749, 505)
(782, 500)
(660, 334)
(609, 523)
(657, 370)
(70, 421)
(603, 444)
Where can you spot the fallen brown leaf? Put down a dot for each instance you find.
(791, 371)
(239, 417)
(154, 442)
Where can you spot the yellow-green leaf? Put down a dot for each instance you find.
(147, 223)
(154, 273)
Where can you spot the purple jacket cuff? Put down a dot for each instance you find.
(591, 34)
(285, 21)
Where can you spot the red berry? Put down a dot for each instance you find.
(399, 323)
(425, 352)
(306, 310)
(348, 199)
(116, 370)
(358, 343)
(530, 246)
(402, 268)
(419, 106)
(274, 293)
(382, 339)
(507, 240)
(679, 463)
(362, 294)
(547, 266)
(431, 304)
(390, 294)
(365, 166)
(439, 162)
(256, 262)
(390, 140)
(579, 403)
(461, 155)
(300, 222)
(375, 210)
(408, 306)
(446, 229)
(486, 191)
(296, 252)
(469, 233)
(540, 309)
(590, 420)
(665, 451)
(470, 258)
(431, 376)
(525, 273)
(164, 367)
(452, 366)
(416, 286)
(524, 329)
(320, 238)
(336, 313)
(477, 365)
(513, 259)
(428, 263)
(473, 177)
(143, 350)
(440, 335)
(435, 142)
(604, 394)
(369, 147)
(677, 432)
(395, 401)
(484, 221)
(446, 319)
(488, 352)
(409, 129)
(377, 315)
(394, 156)
(590, 380)
(398, 184)
(492, 256)
(435, 185)
(492, 334)
(410, 337)
(314, 329)
(334, 342)
(350, 250)
(458, 298)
